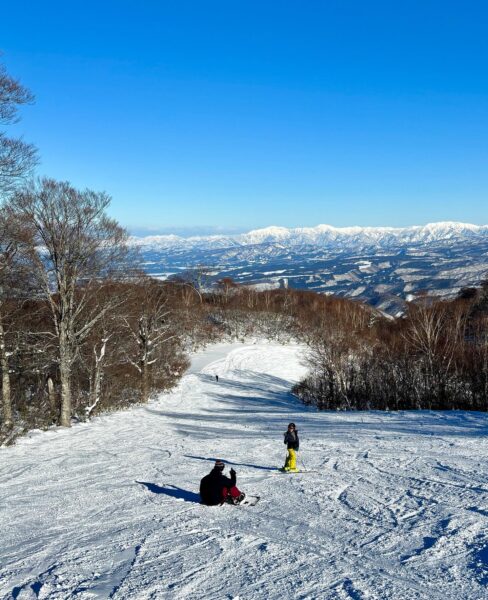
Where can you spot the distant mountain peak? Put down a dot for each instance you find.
(324, 235)
(271, 230)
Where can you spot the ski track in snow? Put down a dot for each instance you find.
(110, 509)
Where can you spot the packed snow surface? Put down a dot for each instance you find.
(398, 507)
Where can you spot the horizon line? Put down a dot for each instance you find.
(198, 232)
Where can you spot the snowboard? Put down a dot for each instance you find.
(283, 472)
(249, 501)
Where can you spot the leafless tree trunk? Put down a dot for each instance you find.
(251, 297)
(51, 394)
(6, 399)
(65, 363)
(97, 377)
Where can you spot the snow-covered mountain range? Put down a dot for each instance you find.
(326, 236)
(383, 265)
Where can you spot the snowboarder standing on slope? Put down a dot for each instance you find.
(292, 443)
(216, 488)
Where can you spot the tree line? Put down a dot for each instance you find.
(78, 323)
(433, 357)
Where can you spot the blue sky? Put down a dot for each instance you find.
(237, 115)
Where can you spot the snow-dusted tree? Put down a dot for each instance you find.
(5, 368)
(7, 253)
(99, 341)
(103, 348)
(74, 247)
(435, 332)
(13, 285)
(151, 334)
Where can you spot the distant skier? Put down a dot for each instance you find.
(292, 443)
(216, 488)
(216, 378)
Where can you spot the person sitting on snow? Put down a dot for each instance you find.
(216, 488)
(292, 443)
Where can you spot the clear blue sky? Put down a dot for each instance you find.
(238, 115)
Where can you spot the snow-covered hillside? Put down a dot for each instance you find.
(382, 265)
(398, 507)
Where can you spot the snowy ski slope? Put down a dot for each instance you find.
(110, 509)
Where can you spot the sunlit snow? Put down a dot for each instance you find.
(398, 507)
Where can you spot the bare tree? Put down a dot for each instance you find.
(16, 157)
(7, 253)
(188, 290)
(13, 285)
(100, 354)
(74, 246)
(150, 330)
(251, 297)
(16, 160)
(103, 347)
(226, 288)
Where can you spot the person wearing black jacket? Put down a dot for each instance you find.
(216, 488)
(292, 443)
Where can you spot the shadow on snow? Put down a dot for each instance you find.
(264, 403)
(229, 462)
(172, 490)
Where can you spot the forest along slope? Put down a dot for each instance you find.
(110, 509)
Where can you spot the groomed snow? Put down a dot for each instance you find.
(398, 508)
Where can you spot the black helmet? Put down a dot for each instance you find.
(291, 425)
(219, 465)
